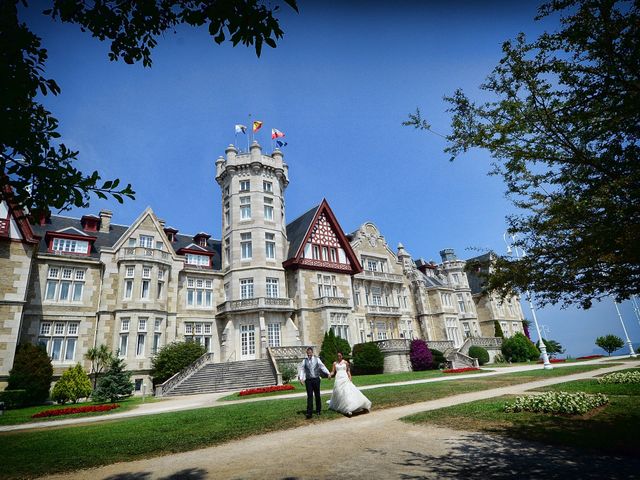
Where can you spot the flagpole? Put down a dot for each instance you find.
(250, 136)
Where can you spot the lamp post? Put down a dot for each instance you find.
(512, 249)
(626, 335)
(636, 309)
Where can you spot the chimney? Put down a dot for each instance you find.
(162, 222)
(105, 220)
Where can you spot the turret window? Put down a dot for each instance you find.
(268, 208)
(272, 287)
(246, 288)
(267, 186)
(245, 208)
(270, 245)
(246, 247)
(245, 185)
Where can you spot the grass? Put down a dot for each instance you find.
(23, 415)
(85, 446)
(610, 429)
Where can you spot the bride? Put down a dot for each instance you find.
(346, 398)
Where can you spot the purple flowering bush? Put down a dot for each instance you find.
(420, 356)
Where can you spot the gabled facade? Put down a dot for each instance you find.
(75, 283)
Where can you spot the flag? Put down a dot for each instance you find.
(280, 143)
(241, 129)
(275, 133)
(257, 125)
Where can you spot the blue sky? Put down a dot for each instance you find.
(338, 85)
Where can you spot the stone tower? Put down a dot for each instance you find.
(254, 245)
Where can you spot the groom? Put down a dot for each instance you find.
(309, 375)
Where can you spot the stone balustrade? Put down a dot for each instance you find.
(143, 253)
(442, 345)
(257, 303)
(291, 352)
(394, 345)
(380, 276)
(331, 301)
(383, 310)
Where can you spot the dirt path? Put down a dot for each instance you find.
(378, 445)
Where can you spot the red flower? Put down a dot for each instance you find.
(72, 410)
(460, 370)
(589, 357)
(275, 388)
(554, 360)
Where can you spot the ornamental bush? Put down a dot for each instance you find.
(31, 372)
(621, 377)
(519, 348)
(498, 329)
(174, 357)
(72, 386)
(331, 345)
(288, 371)
(577, 403)
(420, 355)
(437, 359)
(480, 353)
(115, 384)
(367, 359)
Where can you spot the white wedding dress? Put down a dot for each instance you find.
(346, 398)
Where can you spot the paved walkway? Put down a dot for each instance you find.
(379, 446)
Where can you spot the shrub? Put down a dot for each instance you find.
(114, 384)
(73, 385)
(519, 348)
(331, 345)
(420, 355)
(621, 377)
(288, 372)
(499, 358)
(100, 357)
(367, 359)
(479, 353)
(437, 359)
(577, 403)
(32, 372)
(498, 329)
(13, 398)
(174, 357)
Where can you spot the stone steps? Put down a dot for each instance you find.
(222, 377)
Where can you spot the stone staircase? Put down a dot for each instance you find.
(229, 376)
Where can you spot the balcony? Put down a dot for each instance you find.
(382, 311)
(144, 254)
(257, 303)
(380, 276)
(331, 302)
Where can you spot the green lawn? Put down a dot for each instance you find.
(84, 446)
(23, 415)
(610, 429)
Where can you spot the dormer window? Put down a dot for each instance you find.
(90, 223)
(66, 245)
(171, 234)
(199, 260)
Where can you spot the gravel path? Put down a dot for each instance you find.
(379, 446)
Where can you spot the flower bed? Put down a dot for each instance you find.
(554, 360)
(589, 357)
(577, 403)
(73, 410)
(460, 370)
(621, 377)
(276, 388)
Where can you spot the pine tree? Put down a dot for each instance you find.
(498, 329)
(72, 386)
(114, 384)
(329, 349)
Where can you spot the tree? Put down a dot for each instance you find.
(609, 343)
(33, 162)
(367, 359)
(519, 348)
(553, 348)
(32, 372)
(497, 329)
(114, 384)
(72, 386)
(563, 129)
(174, 357)
(328, 350)
(100, 357)
(420, 355)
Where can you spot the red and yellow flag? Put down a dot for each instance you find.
(257, 125)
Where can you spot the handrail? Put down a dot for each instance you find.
(183, 374)
(274, 364)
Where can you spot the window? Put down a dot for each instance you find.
(158, 325)
(144, 291)
(132, 242)
(145, 241)
(270, 245)
(246, 246)
(267, 186)
(407, 329)
(446, 299)
(382, 330)
(339, 325)
(466, 329)
(199, 260)
(245, 208)
(461, 305)
(334, 255)
(268, 208)
(124, 324)
(60, 340)
(510, 307)
(142, 324)
(140, 345)
(160, 289)
(227, 291)
(129, 271)
(245, 185)
(199, 332)
(273, 331)
(66, 245)
(124, 343)
(515, 327)
(455, 278)
(372, 265)
(146, 272)
(159, 245)
(227, 214)
(505, 328)
(227, 254)
(199, 292)
(157, 339)
(246, 288)
(272, 287)
(65, 284)
(376, 296)
(453, 333)
(316, 252)
(128, 289)
(500, 307)
(327, 286)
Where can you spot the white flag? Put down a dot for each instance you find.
(241, 129)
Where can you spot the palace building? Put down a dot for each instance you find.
(266, 288)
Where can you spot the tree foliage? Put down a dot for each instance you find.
(33, 161)
(174, 357)
(367, 359)
(610, 343)
(497, 329)
(331, 345)
(32, 372)
(420, 355)
(100, 357)
(479, 353)
(73, 385)
(553, 347)
(519, 348)
(114, 384)
(563, 128)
